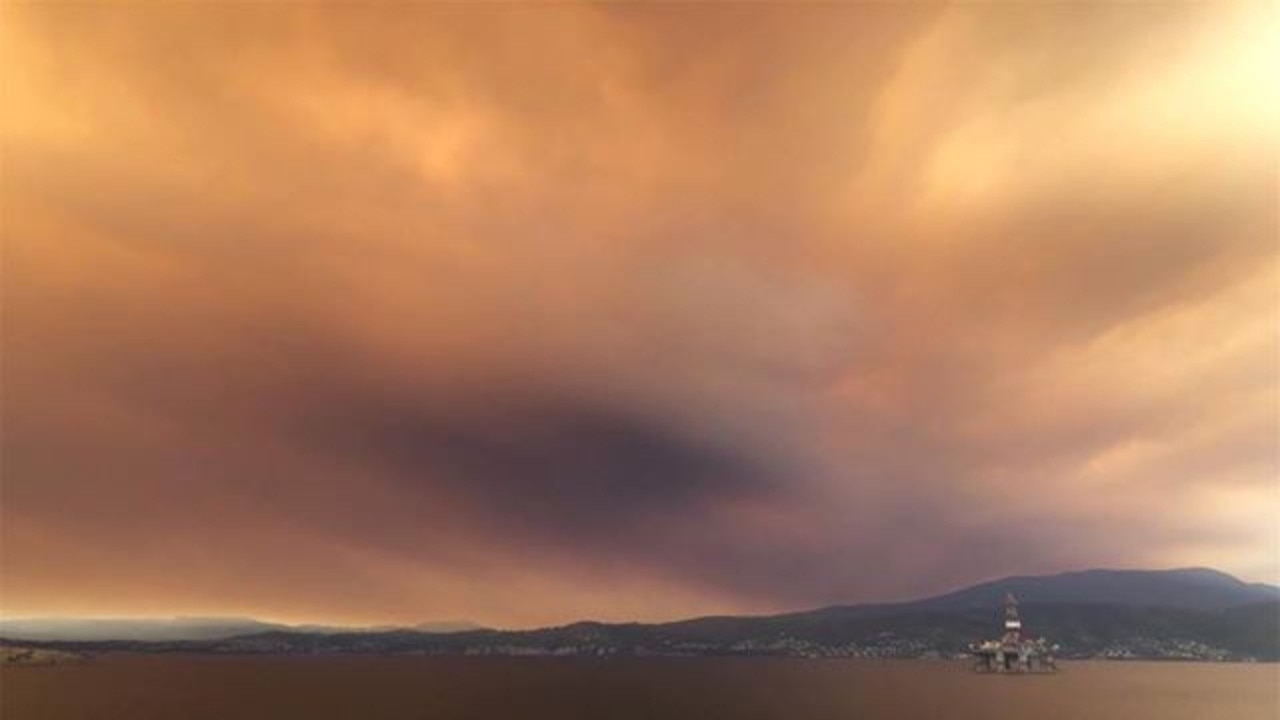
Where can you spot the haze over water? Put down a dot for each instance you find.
(124, 687)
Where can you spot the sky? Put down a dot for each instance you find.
(526, 314)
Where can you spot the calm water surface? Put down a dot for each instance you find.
(133, 687)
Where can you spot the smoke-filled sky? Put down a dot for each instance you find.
(525, 314)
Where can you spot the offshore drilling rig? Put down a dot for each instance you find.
(1013, 653)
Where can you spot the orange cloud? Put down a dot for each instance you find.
(525, 314)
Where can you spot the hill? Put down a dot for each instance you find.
(1195, 588)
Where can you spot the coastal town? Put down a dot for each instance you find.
(887, 646)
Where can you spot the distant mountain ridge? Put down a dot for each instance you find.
(1195, 588)
(186, 628)
(147, 629)
(1191, 613)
